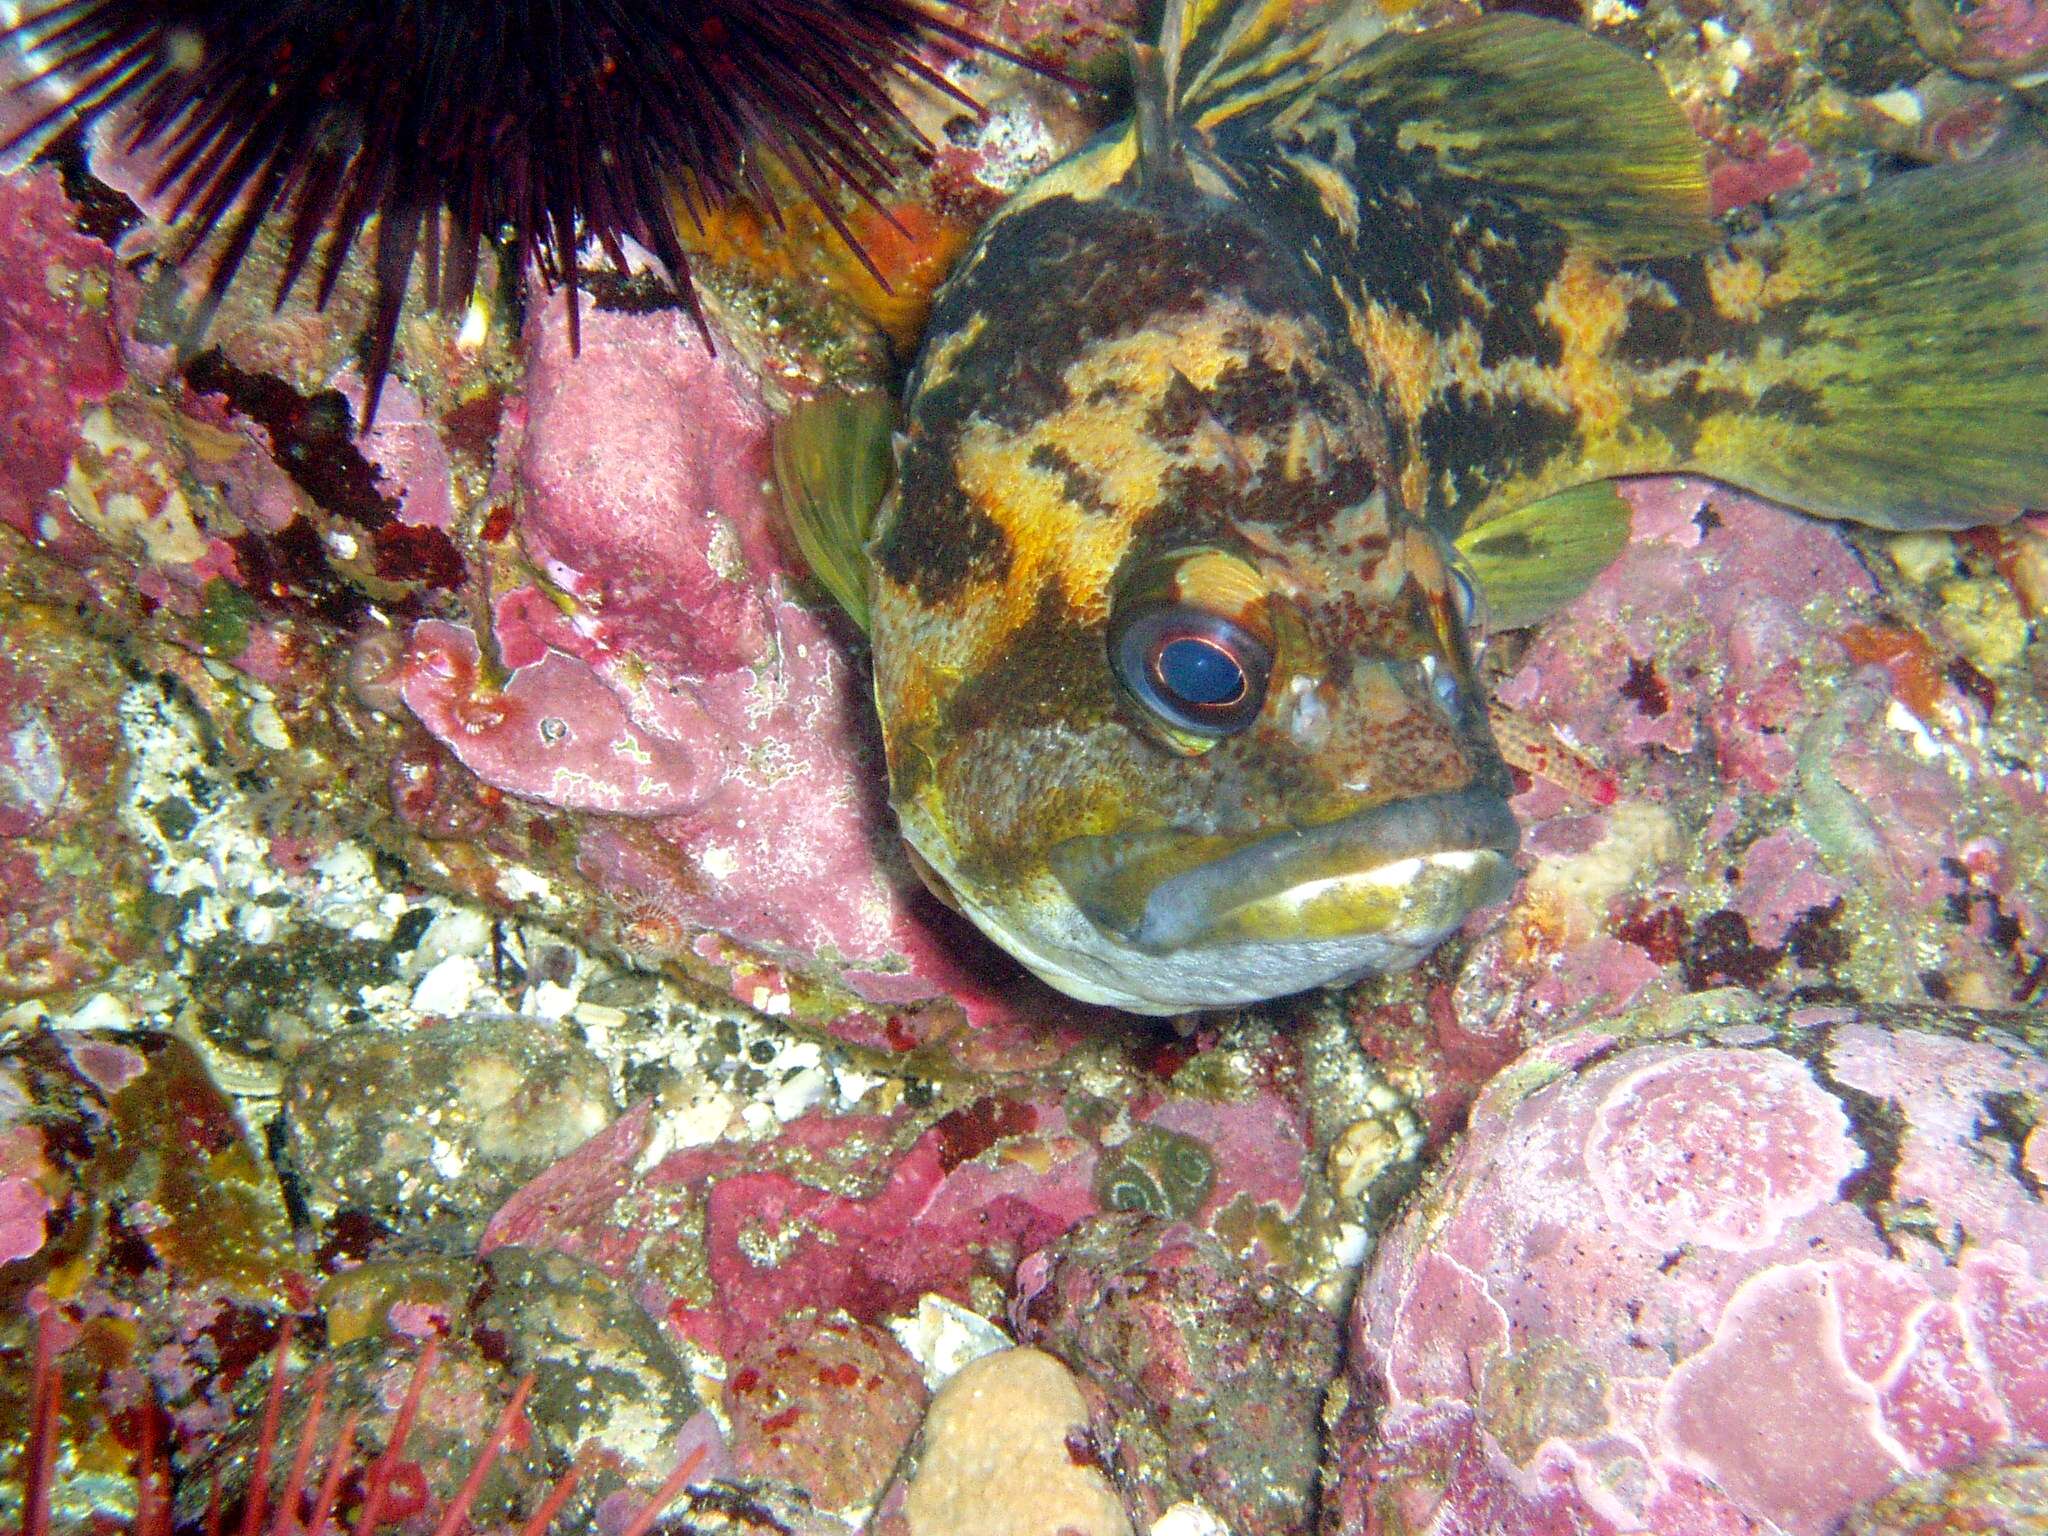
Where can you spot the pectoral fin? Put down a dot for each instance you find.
(1538, 558)
(833, 466)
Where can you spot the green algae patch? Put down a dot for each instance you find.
(225, 614)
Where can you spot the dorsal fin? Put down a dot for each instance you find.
(1153, 113)
(1211, 41)
(1570, 128)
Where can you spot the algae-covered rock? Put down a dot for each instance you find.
(1732, 1261)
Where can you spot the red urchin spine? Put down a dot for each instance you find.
(153, 1500)
(537, 122)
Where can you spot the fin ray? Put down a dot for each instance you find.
(1566, 126)
(1899, 343)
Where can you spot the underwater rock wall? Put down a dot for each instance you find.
(446, 894)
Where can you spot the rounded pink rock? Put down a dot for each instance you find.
(1740, 1268)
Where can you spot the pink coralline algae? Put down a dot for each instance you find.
(1738, 1276)
(1808, 806)
(1819, 795)
(24, 1206)
(1771, 170)
(667, 681)
(1995, 39)
(554, 732)
(1717, 1150)
(867, 1213)
(58, 350)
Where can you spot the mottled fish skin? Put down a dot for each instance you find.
(1825, 362)
(1124, 368)
(1268, 350)
(1514, 361)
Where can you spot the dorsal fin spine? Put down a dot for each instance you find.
(1158, 133)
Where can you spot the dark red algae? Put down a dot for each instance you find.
(538, 123)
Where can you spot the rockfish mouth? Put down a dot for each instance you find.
(1404, 872)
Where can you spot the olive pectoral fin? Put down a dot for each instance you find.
(1540, 557)
(833, 467)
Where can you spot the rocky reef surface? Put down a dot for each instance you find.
(448, 908)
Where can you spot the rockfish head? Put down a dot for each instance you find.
(1178, 700)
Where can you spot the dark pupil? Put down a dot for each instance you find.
(1200, 672)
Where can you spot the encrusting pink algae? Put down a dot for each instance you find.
(476, 1055)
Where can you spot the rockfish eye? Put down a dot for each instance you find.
(1469, 603)
(1195, 670)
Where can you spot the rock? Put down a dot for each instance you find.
(439, 1124)
(2002, 1493)
(1994, 39)
(870, 1212)
(58, 350)
(140, 1219)
(605, 1375)
(1209, 1376)
(825, 1404)
(707, 734)
(1738, 1265)
(461, 1397)
(1819, 785)
(1006, 1451)
(73, 883)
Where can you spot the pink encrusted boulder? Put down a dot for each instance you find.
(658, 681)
(1737, 1269)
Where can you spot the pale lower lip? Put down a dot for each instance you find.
(1394, 876)
(1444, 848)
(1412, 900)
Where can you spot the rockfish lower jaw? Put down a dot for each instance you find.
(1161, 922)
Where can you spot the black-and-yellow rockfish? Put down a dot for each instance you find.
(1225, 424)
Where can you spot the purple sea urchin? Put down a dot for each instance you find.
(539, 123)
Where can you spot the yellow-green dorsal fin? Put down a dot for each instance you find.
(1566, 126)
(1216, 48)
(1536, 559)
(1885, 358)
(833, 464)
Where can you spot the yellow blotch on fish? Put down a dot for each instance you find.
(1230, 427)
